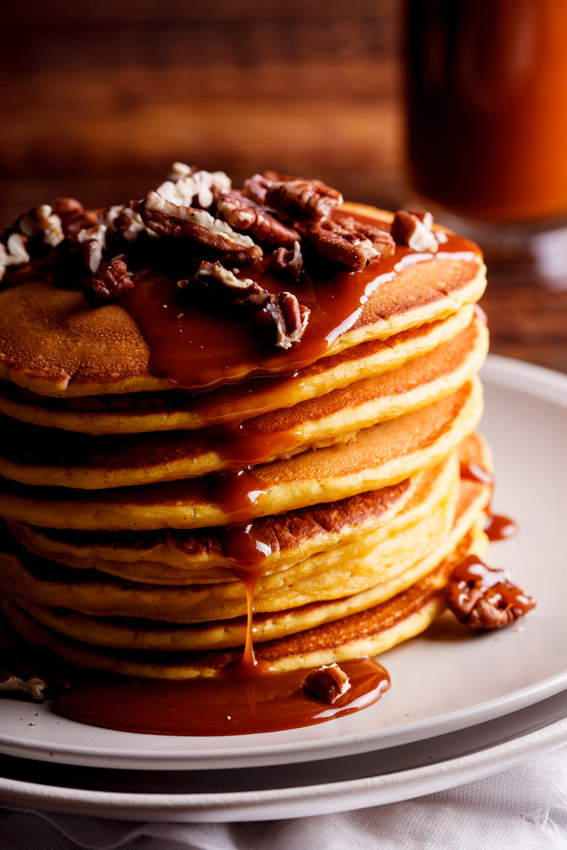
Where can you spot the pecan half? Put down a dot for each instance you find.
(302, 199)
(245, 214)
(189, 186)
(414, 229)
(327, 683)
(110, 282)
(288, 316)
(349, 242)
(13, 253)
(287, 263)
(483, 597)
(196, 225)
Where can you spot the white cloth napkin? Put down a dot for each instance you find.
(524, 808)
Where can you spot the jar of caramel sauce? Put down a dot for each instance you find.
(486, 106)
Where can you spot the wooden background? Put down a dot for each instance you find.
(97, 98)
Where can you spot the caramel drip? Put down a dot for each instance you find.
(499, 527)
(472, 572)
(474, 472)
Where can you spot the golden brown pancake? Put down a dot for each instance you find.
(370, 629)
(36, 456)
(55, 344)
(178, 410)
(379, 456)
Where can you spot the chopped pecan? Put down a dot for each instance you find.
(302, 199)
(93, 242)
(110, 282)
(13, 253)
(245, 214)
(327, 683)
(189, 186)
(284, 310)
(125, 220)
(289, 316)
(349, 242)
(483, 597)
(42, 222)
(414, 229)
(168, 219)
(287, 263)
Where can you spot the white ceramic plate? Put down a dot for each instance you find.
(443, 681)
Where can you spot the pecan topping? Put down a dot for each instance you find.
(327, 683)
(189, 186)
(484, 598)
(287, 263)
(349, 242)
(93, 243)
(125, 220)
(13, 253)
(289, 316)
(38, 680)
(256, 188)
(244, 214)
(109, 283)
(284, 310)
(414, 229)
(302, 199)
(196, 225)
(42, 221)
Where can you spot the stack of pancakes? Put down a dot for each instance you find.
(130, 503)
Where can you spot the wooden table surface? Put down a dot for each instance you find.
(97, 100)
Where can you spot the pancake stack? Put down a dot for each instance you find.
(185, 468)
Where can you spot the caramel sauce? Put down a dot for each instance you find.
(474, 472)
(499, 527)
(236, 703)
(198, 350)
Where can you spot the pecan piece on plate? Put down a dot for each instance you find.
(284, 311)
(245, 214)
(287, 263)
(349, 242)
(483, 597)
(109, 283)
(30, 672)
(327, 683)
(196, 225)
(302, 199)
(414, 228)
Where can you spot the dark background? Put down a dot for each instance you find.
(98, 98)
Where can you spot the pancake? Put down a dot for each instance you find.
(185, 557)
(347, 628)
(379, 456)
(55, 344)
(177, 410)
(32, 455)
